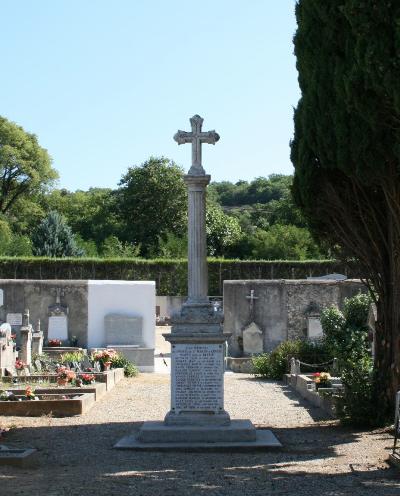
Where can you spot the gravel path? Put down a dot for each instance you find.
(76, 455)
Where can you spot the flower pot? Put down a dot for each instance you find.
(61, 381)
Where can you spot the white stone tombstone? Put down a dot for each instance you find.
(314, 327)
(58, 327)
(252, 340)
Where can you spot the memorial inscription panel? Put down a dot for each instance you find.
(14, 319)
(197, 377)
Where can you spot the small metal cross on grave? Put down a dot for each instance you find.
(252, 299)
(197, 137)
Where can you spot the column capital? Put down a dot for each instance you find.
(194, 182)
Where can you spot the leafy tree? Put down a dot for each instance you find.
(90, 213)
(222, 230)
(283, 243)
(25, 167)
(346, 152)
(54, 238)
(151, 202)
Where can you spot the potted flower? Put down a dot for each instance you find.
(65, 375)
(30, 394)
(322, 380)
(19, 366)
(54, 342)
(88, 379)
(105, 357)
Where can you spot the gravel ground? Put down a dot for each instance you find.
(319, 457)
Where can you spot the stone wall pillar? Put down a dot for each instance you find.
(197, 240)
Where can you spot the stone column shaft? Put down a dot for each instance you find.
(197, 240)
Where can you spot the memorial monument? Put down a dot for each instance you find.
(197, 418)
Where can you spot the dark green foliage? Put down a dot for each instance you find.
(275, 364)
(346, 151)
(151, 201)
(356, 406)
(92, 213)
(170, 275)
(130, 369)
(54, 238)
(223, 231)
(25, 167)
(346, 335)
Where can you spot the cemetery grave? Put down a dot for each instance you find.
(61, 404)
(70, 380)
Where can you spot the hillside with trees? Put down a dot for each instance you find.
(145, 216)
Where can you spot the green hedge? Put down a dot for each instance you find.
(170, 275)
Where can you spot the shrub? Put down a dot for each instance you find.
(346, 335)
(275, 364)
(119, 361)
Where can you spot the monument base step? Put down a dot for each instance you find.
(239, 434)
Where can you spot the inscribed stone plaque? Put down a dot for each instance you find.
(197, 377)
(252, 340)
(123, 329)
(14, 319)
(314, 327)
(58, 327)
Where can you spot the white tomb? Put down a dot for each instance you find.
(112, 300)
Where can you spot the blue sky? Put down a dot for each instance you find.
(106, 84)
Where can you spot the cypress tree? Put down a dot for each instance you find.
(346, 152)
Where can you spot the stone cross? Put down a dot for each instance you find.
(252, 299)
(196, 181)
(197, 137)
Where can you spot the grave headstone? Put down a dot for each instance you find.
(314, 327)
(37, 340)
(252, 340)
(26, 339)
(58, 319)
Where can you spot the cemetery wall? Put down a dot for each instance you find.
(170, 275)
(281, 308)
(68, 308)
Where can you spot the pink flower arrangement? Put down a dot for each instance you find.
(88, 379)
(66, 374)
(104, 356)
(19, 364)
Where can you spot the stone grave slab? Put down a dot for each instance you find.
(314, 327)
(122, 329)
(253, 340)
(18, 457)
